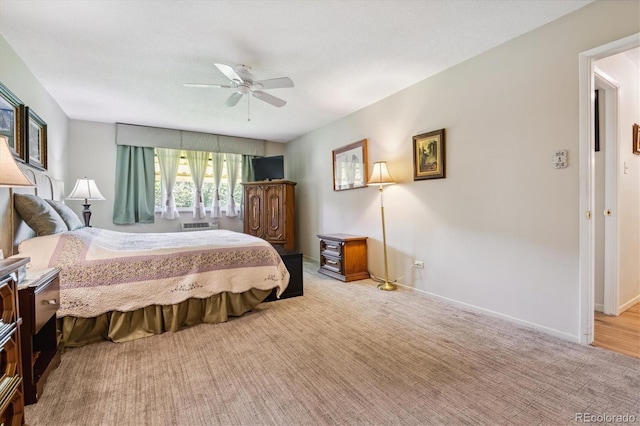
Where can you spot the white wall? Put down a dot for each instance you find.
(92, 153)
(627, 74)
(18, 78)
(500, 233)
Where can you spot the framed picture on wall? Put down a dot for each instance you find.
(36, 140)
(350, 166)
(636, 139)
(12, 113)
(429, 155)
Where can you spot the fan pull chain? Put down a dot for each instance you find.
(249, 108)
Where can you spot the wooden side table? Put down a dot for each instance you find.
(343, 256)
(39, 301)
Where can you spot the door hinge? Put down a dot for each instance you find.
(588, 214)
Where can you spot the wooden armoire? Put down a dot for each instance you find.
(269, 211)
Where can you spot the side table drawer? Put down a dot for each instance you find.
(331, 248)
(331, 263)
(46, 303)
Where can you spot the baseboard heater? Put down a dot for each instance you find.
(199, 226)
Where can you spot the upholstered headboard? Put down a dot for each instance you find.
(45, 187)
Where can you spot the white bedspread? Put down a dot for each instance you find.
(104, 270)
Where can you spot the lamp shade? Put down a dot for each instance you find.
(380, 174)
(85, 189)
(10, 173)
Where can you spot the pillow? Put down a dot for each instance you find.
(68, 216)
(39, 215)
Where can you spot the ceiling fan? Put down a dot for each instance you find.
(244, 83)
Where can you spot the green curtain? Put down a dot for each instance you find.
(135, 185)
(247, 176)
(247, 168)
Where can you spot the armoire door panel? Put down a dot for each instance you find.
(254, 210)
(274, 214)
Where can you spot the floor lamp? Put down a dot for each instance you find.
(11, 176)
(85, 189)
(380, 176)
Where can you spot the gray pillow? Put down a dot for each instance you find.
(39, 215)
(68, 216)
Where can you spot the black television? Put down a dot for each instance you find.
(268, 168)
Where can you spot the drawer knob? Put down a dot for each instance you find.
(50, 302)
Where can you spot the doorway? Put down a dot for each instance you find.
(590, 241)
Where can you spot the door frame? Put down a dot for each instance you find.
(586, 76)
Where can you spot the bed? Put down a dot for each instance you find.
(122, 286)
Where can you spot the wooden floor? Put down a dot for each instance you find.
(620, 334)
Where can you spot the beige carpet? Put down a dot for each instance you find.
(343, 354)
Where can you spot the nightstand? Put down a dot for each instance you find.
(293, 261)
(39, 298)
(343, 256)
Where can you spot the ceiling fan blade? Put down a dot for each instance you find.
(270, 99)
(229, 72)
(207, 86)
(275, 83)
(233, 99)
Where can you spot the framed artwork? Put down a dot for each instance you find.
(636, 139)
(36, 140)
(429, 155)
(350, 166)
(12, 116)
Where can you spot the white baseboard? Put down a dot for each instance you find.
(629, 304)
(550, 331)
(598, 307)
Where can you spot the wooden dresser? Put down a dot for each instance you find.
(11, 386)
(269, 211)
(343, 256)
(39, 297)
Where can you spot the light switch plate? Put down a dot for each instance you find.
(560, 159)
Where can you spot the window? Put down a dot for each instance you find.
(184, 189)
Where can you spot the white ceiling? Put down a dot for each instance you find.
(126, 61)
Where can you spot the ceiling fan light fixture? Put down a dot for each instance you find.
(241, 79)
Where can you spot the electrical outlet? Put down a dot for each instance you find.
(418, 264)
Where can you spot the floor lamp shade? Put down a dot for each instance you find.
(381, 176)
(10, 173)
(85, 189)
